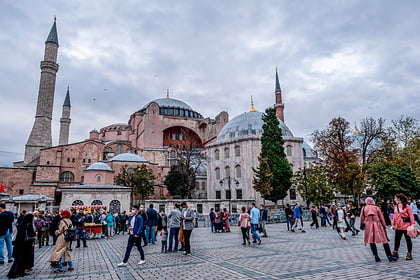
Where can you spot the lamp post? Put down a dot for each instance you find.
(230, 190)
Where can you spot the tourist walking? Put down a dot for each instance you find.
(352, 214)
(385, 209)
(54, 226)
(110, 225)
(375, 228)
(174, 225)
(226, 220)
(48, 219)
(263, 220)
(244, 224)
(23, 249)
(152, 219)
(255, 218)
(297, 215)
(314, 215)
(6, 232)
(187, 218)
(288, 211)
(62, 247)
(123, 221)
(145, 218)
(403, 218)
(218, 221)
(135, 227)
(80, 228)
(341, 222)
(40, 228)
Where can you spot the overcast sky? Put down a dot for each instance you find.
(353, 59)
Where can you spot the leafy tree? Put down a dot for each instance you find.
(176, 181)
(272, 148)
(188, 163)
(408, 182)
(140, 179)
(383, 176)
(263, 178)
(312, 184)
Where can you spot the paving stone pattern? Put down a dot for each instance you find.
(316, 254)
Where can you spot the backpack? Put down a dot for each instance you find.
(70, 234)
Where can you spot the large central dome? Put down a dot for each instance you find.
(173, 107)
(247, 124)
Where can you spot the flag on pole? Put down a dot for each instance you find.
(1, 188)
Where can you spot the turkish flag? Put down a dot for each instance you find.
(1, 188)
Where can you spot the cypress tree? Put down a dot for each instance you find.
(272, 148)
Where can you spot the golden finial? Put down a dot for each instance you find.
(252, 106)
(167, 93)
(356, 131)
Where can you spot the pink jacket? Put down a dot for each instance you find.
(243, 220)
(398, 222)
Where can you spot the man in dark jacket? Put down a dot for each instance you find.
(152, 219)
(79, 222)
(6, 230)
(54, 226)
(135, 227)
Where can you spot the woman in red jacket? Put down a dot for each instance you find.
(403, 218)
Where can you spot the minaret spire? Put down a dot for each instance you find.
(279, 103)
(167, 93)
(40, 136)
(356, 130)
(65, 121)
(252, 106)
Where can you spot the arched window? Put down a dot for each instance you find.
(238, 171)
(292, 194)
(227, 152)
(77, 202)
(67, 176)
(217, 155)
(97, 202)
(98, 179)
(203, 186)
(217, 173)
(227, 171)
(304, 152)
(119, 149)
(237, 151)
(115, 206)
(289, 150)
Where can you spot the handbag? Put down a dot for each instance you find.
(412, 231)
(405, 219)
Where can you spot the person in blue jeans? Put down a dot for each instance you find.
(135, 227)
(152, 220)
(255, 218)
(6, 230)
(174, 226)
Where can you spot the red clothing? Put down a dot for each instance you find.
(226, 219)
(399, 212)
(375, 227)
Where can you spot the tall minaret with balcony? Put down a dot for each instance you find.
(279, 103)
(65, 121)
(40, 136)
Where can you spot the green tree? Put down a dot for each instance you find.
(263, 178)
(272, 148)
(140, 179)
(176, 182)
(312, 184)
(383, 177)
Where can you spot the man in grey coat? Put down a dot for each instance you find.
(174, 225)
(187, 219)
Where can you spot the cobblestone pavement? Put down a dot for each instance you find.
(316, 254)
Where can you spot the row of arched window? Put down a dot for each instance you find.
(226, 153)
(238, 172)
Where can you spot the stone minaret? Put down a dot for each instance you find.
(279, 103)
(65, 121)
(40, 136)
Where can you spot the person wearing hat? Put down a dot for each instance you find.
(62, 247)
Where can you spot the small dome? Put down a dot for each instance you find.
(94, 131)
(99, 166)
(129, 157)
(247, 124)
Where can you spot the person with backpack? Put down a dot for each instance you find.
(40, 229)
(62, 247)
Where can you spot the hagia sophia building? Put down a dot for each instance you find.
(82, 173)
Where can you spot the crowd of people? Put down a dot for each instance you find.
(144, 225)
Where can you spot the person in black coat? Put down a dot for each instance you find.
(23, 250)
(54, 226)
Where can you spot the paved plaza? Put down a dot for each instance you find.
(316, 254)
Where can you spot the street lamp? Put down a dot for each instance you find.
(229, 186)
